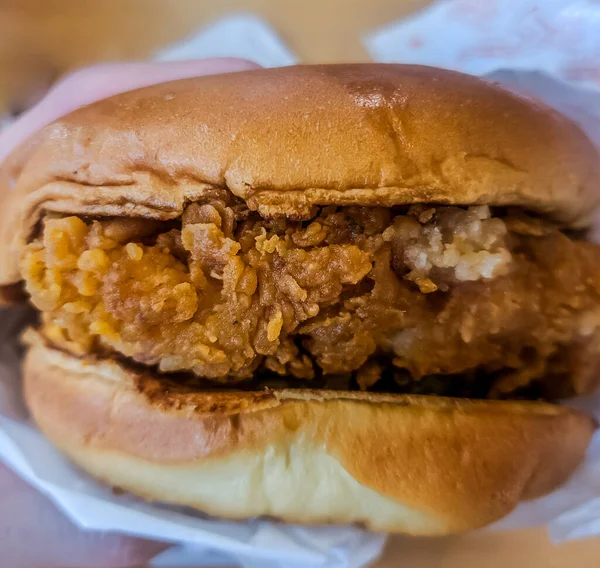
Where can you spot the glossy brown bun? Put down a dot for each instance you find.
(289, 138)
(412, 464)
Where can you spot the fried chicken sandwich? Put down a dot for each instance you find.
(345, 293)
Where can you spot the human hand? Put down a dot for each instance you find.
(33, 532)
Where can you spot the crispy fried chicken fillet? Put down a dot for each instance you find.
(243, 279)
(229, 295)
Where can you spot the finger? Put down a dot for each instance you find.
(34, 534)
(94, 83)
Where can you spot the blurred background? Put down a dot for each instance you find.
(41, 40)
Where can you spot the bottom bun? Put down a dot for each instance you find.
(411, 464)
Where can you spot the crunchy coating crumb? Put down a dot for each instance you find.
(228, 294)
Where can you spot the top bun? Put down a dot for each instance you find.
(287, 139)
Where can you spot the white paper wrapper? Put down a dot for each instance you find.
(549, 50)
(5, 120)
(559, 37)
(242, 35)
(92, 506)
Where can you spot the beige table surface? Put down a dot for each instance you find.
(40, 39)
(523, 549)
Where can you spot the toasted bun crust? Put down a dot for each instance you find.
(412, 464)
(287, 139)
